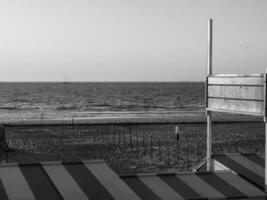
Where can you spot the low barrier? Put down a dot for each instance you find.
(128, 147)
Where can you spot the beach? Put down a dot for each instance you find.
(133, 145)
(131, 126)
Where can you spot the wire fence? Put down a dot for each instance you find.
(130, 148)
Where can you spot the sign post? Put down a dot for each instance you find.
(265, 123)
(209, 120)
(233, 93)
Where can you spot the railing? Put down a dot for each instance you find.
(130, 147)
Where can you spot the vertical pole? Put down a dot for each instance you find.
(265, 154)
(209, 121)
(159, 150)
(265, 122)
(144, 150)
(131, 142)
(168, 153)
(137, 144)
(210, 33)
(124, 139)
(151, 147)
(177, 145)
(119, 142)
(209, 138)
(102, 136)
(113, 132)
(72, 125)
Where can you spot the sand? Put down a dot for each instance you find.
(133, 145)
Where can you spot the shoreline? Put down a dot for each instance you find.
(183, 118)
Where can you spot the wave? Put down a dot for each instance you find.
(101, 105)
(67, 107)
(9, 108)
(20, 108)
(33, 99)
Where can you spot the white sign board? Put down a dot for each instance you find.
(236, 94)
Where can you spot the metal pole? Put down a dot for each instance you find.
(72, 125)
(209, 138)
(265, 154)
(177, 145)
(210, 32)
(131, 142)
(265, 122)
(209, 121)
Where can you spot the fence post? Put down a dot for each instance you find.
(107, 134)
(72, 125)
(119, 142)
(159, 150)
(144, 144)
(256, 148)
(131, 142)
(197, 147)
(124, 139)
(168, 152)
(187, 157)
(137, 143)
(177, 145)
(102, 136)
(237, 146)
(114, 136)
(151, 147)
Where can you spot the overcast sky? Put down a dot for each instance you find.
(126, 40)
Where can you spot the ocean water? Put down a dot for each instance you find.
(65, 100)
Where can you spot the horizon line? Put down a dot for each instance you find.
(69, 82)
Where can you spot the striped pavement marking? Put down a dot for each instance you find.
(252, 166)
(255, 158)
(160, 188)
(67, 187)
(95, 180)
(180, 187)
(241, 170)
(241, 184)
(222, 186)
(116, 187)
(39, 182)
(87, 181)
(3, 194)
(15, 184)
(203, 188)
(140, 188)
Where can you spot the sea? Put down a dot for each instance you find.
(36, 100)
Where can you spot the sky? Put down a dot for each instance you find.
(125, 40)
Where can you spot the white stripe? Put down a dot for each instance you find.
(252, 166)
(114, 185)
(241, 184)
(201, 187)
(160, 188)
(65, 184)
(15, 184)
